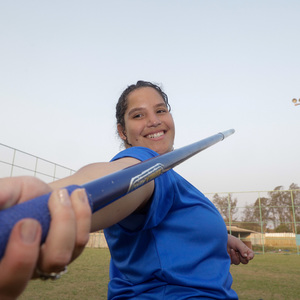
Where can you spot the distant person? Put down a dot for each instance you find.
(166, 239)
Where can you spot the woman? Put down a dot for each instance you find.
(167, 241)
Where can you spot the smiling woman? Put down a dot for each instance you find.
(147, 119)
(166, 239)
(156, 251)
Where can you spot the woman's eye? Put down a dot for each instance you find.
(160, 111)
(137, 116)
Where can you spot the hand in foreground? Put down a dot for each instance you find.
(68, 234)
(238, 251)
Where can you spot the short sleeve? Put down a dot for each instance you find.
(162, 198)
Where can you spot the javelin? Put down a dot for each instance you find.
(104, 190)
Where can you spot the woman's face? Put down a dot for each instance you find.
(148, 123)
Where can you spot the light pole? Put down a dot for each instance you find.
(295, 101)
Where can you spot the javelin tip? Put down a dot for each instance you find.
(227, 133)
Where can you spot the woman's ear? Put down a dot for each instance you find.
(121, 132)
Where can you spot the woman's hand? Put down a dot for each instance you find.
(238, 251)
(68, 234)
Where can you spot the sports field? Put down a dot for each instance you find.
(267, 277)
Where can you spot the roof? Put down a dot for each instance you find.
(238, 229)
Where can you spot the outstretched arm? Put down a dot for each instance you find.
(117, 210)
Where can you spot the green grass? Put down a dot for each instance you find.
(87, 278)
(267, 277)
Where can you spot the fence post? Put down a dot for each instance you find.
(229, 215)
(13, 163)
(54, 174)
(261, 225)
(36, 165)
(295, 223)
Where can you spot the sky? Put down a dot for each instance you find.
(224, 64)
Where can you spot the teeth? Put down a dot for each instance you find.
(155, 135)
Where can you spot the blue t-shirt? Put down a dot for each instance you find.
(176, 250)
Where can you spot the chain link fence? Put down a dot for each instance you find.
(269, 221)
(15, 162)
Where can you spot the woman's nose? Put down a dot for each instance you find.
(154, 121)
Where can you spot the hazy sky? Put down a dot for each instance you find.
(224, 64)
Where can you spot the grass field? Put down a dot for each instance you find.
(267, 277)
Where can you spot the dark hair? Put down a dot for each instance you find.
(122, 102)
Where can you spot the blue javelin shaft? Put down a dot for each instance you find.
(104, 190)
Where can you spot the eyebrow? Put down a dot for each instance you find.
(132, 111)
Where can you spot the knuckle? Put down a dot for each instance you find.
(60, 259)
(82, 240)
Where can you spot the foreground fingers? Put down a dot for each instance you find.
(67, 236)
(68, 232)
(57, 250)
(14, 190)
(83, 216)
(20, 258)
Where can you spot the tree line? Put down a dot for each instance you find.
(278, 212)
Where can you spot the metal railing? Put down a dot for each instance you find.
(268, 220)
(14, 162)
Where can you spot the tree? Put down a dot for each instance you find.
(281, 209)
(295, 199)
(257, 214)
(277, 206)
(226, 206)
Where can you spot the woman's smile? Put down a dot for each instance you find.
(155, 135)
